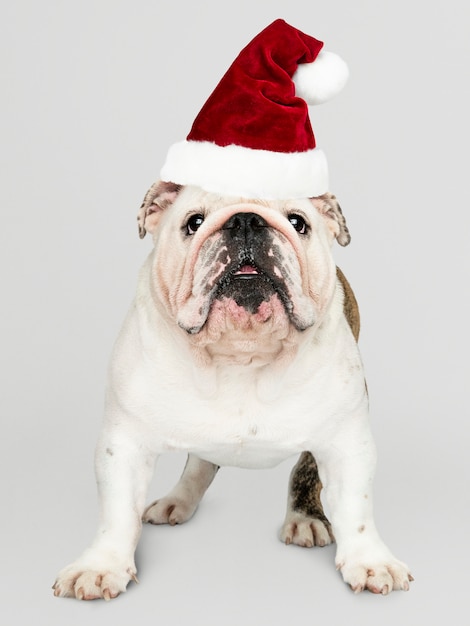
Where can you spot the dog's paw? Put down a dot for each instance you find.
(169, 510)
(89, 580)
(376, 575)
(305, 531)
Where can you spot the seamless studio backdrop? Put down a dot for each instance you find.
(93, 94)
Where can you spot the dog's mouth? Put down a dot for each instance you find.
(250, 284)
(246, 271)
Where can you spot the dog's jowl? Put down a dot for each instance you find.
(241, 305)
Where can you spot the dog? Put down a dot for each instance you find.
(240, 349)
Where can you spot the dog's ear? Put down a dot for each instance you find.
(160, 195)
(328, 207)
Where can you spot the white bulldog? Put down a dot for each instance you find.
(240, 349)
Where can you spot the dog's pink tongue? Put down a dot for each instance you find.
(247, 269)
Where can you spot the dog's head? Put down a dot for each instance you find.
(241, 277)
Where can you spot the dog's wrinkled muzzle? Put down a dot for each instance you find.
(252, 276)
(248, 262)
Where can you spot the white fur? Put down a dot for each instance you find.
(163, 396)
(235, 170)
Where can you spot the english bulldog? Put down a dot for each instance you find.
(239, 349)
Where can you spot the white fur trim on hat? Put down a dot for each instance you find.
(319, 81)
(237, 171)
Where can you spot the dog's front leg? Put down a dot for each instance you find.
(346, 469)
(124, 467)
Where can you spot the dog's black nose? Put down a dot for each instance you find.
(242, 224)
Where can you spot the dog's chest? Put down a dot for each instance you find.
(243, 421)
(242, 431)
(239, 415)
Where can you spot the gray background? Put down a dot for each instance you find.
(94, 92)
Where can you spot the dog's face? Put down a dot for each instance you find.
(241, 276)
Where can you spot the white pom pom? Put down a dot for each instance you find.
(319, 81)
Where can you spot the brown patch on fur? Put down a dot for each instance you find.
(350, 306)
(305, 488)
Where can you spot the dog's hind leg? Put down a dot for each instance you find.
(305, 523)
(182, 501)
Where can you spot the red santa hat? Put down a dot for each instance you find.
(253, 136)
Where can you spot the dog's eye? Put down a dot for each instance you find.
(298, 223)
(193, 223)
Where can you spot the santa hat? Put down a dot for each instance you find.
(253, 136)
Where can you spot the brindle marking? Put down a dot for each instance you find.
(350, 307)
(305, 488)
(305, 484)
